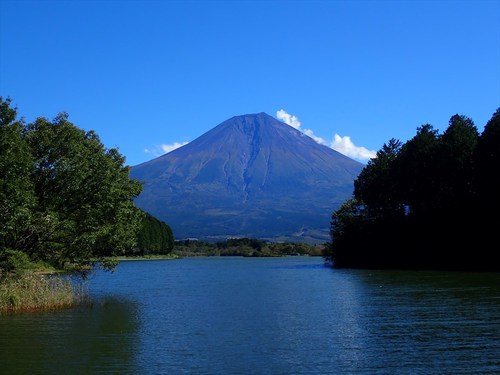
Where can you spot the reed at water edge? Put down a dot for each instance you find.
(31, 292)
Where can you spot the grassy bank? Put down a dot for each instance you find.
(145, 257)
(30, 291)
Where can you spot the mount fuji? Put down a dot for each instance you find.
(250, 176)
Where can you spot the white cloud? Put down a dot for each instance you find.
(171, 147)
(159, 150)
(288, 119)
(344, 145)
(319, 140)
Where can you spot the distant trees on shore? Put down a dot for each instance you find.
(247, 247)
(432, 202)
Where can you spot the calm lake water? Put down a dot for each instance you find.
(264, 316)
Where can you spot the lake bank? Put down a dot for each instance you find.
(145, 257)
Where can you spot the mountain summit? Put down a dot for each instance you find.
(250, 176)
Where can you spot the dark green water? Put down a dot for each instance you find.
(264, 316)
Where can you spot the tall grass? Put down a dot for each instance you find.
(30, 292)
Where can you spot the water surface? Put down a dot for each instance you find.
(264, 316)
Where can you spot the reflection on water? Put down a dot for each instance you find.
(76, 341)
(434, 322)
(264, 316)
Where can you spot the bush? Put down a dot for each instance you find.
(14, 260)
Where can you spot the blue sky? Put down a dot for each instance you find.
(149, 74)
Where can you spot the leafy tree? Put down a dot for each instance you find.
(154, 237)
(346, 223)
(458, 143)
(455, 190)
(416, 170)
(17, 197)
(85, 195)
(64, 198)
(376, 186)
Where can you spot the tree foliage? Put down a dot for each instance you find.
(425, 203)
(375, 185)
(64, 197)
(154, 237)
(17, 198)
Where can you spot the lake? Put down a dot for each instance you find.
(293, 315)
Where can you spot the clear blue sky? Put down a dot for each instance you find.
(143, 74)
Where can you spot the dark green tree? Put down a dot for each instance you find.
(485, 219)
(154, 237)
(458, 143)
(431, 203)
(17, 198)
(487, 165)
(347, 222)
(376, 186)
(417, 169)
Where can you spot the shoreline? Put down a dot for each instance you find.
(145, 257)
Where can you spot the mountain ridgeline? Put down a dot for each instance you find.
(250, 176)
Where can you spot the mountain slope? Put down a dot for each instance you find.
(253, 176)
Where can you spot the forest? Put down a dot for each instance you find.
(432, 202)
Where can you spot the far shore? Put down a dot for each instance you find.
(145, 257)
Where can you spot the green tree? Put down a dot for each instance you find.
(376, 186)
(347, 222)
(417, 170)
(154, 237)
(425, 204)
(17, 197)
(64, 197)
(484, 219)
(458, 143)
(487, 165)
(84, 195)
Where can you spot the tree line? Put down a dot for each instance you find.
(67, 200)
(246, 247)
(431, 202)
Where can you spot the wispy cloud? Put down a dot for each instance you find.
(311, 134)
(288, 119)
(171, 147)
(344, 145)
(159, 150)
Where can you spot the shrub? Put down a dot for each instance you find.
(14, 260)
